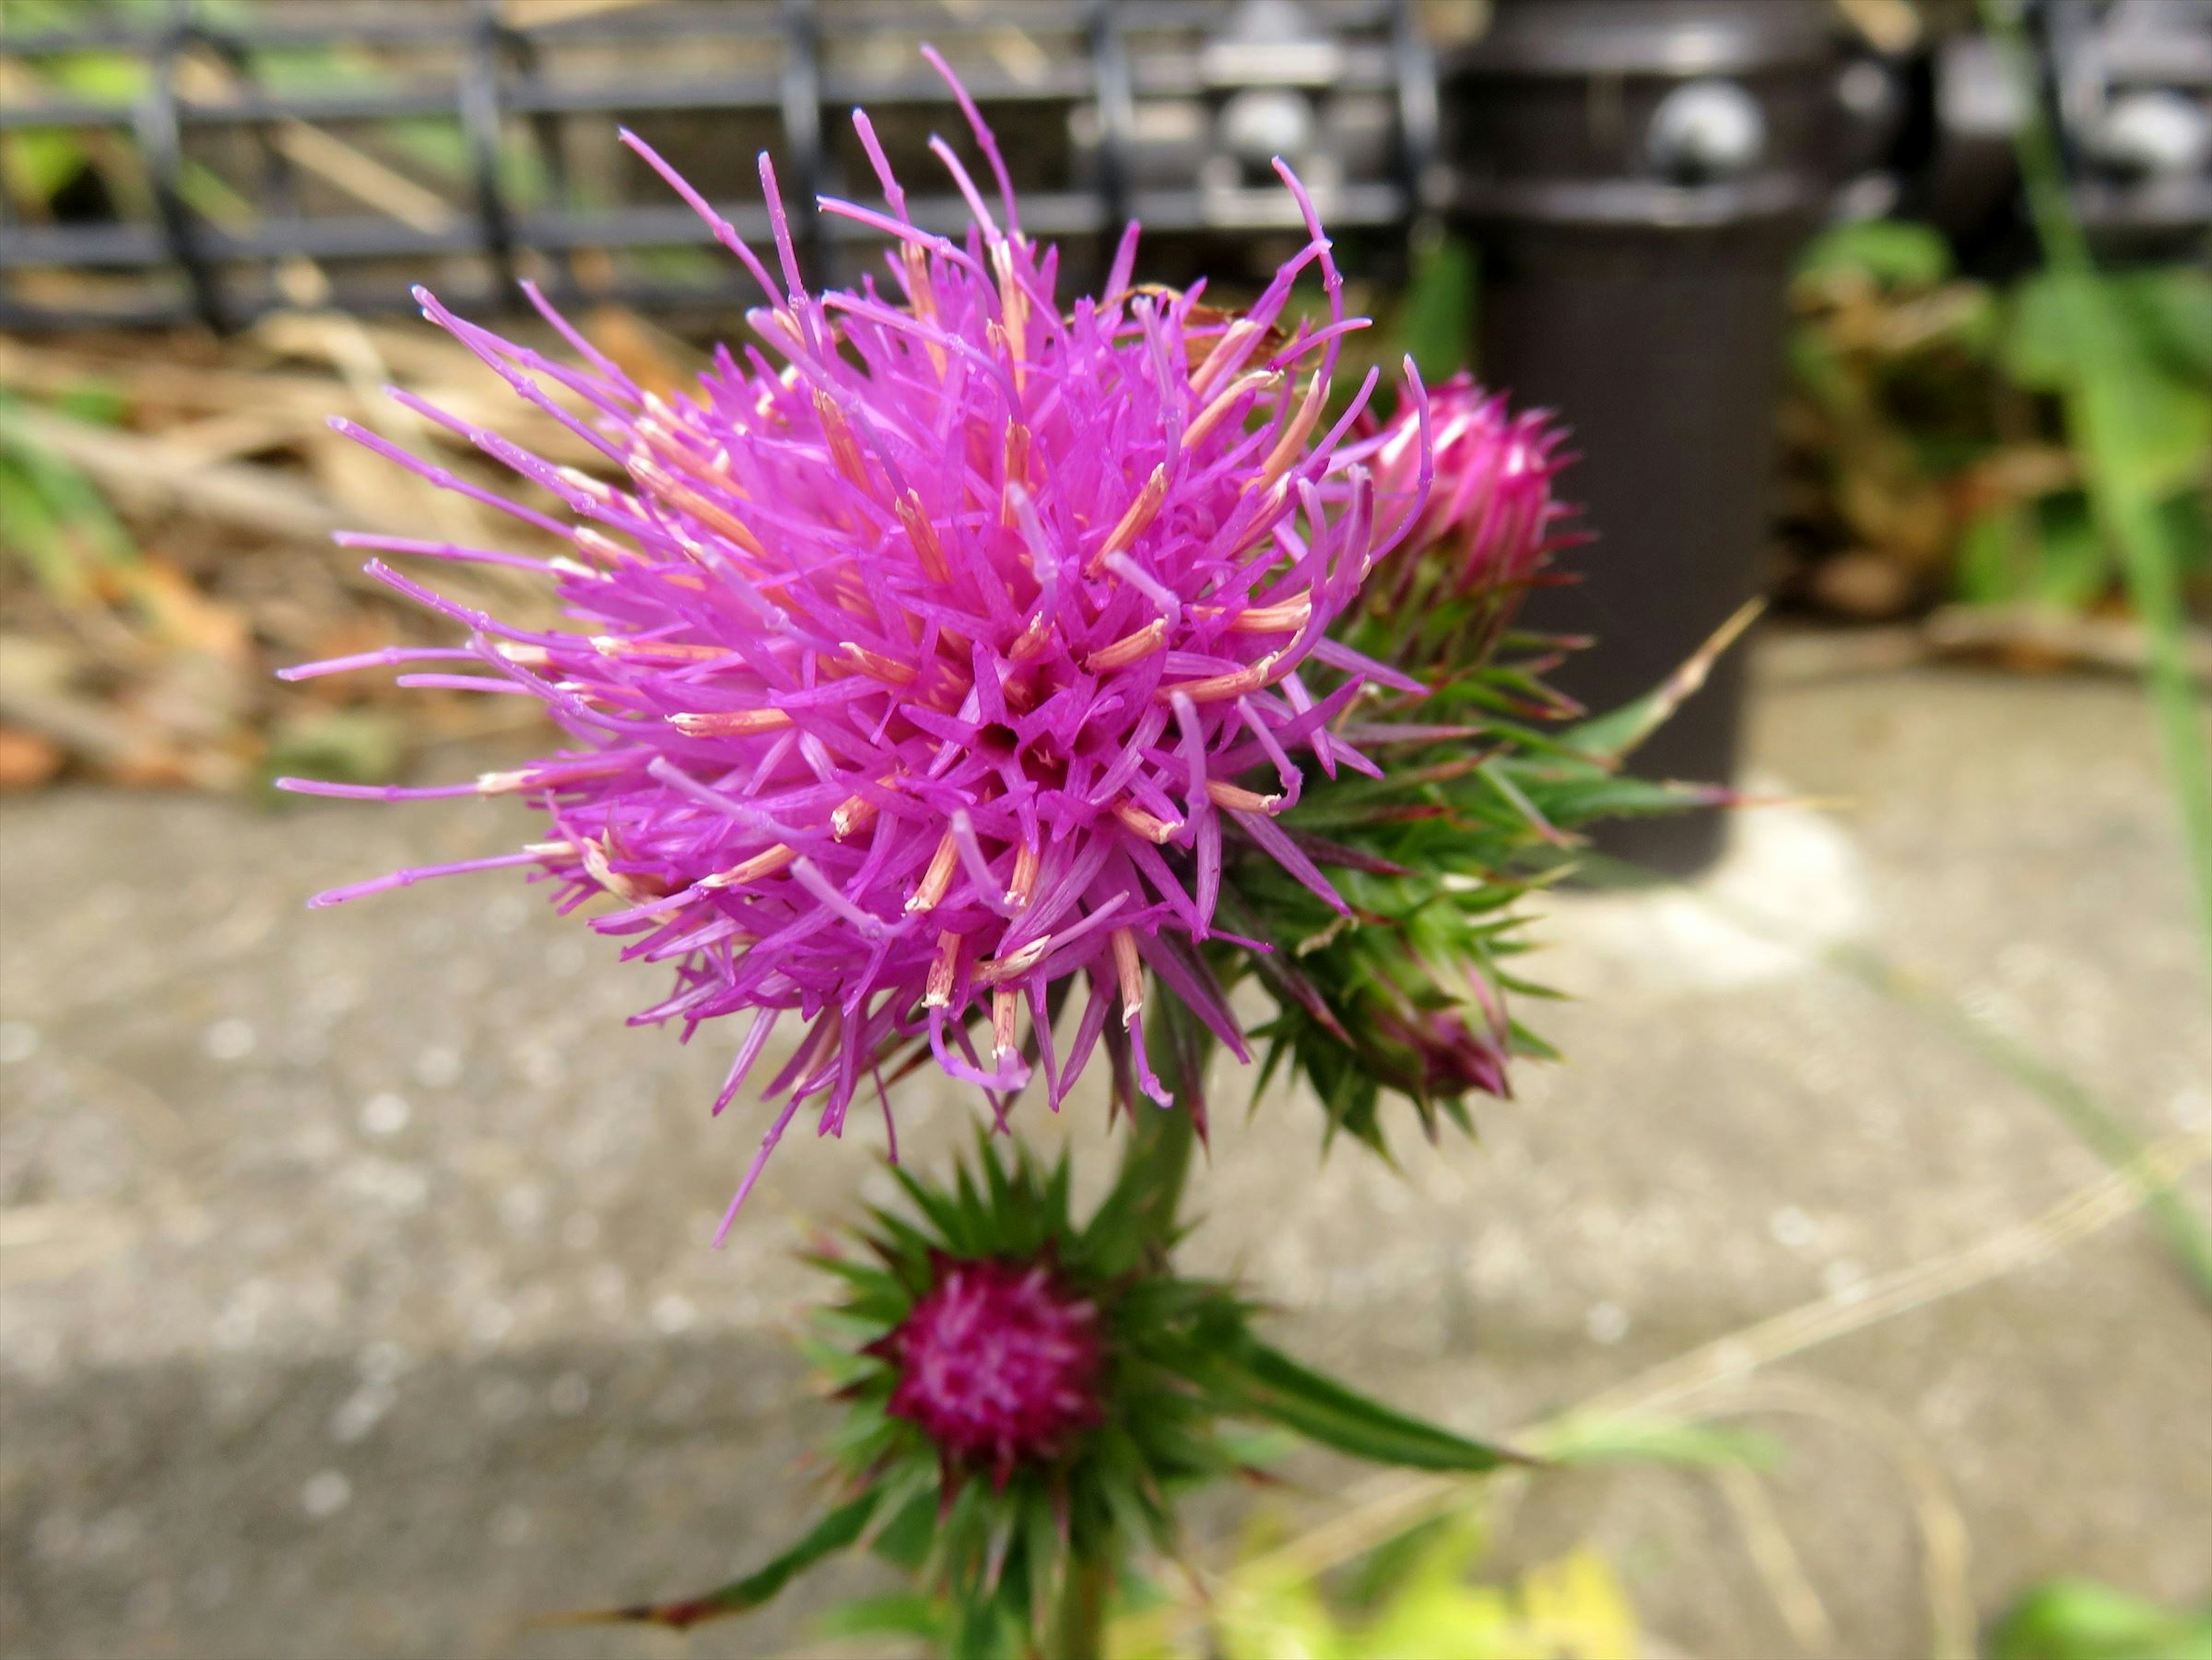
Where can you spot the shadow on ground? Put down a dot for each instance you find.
(357, 1300)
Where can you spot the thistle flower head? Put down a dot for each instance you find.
(914, 673)
(999, 1363)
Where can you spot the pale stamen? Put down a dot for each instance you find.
(944, 970)
(1221, 688)
(1129, 648)
(763, 864)
(1218, 411)
(938, 878)
(1130, 525)
(1024, 877)
(729, 723)
(1129, 972)
(716, 517)
(1237, 799)
(1151, 827)
(1293, 440)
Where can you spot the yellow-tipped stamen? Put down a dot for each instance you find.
(1148, 825)
(770, 583)
(597, 544)
(596, 856)
(597, 489)
(844, 448)
(1129, 648)
(923, 535)
(729, 723)
(944, 970)
(1013, 301)
(1006, 1005)
(763, 864)
(564, 774)
(924, 297)
(939, 877)
(1129, 972)
(1033, 639)
(1286, 619)
(590, 691)
(716, 517)
(997, 970)
(1017, 459)
(781, 316)
(1231, 342)
(1237, 799)
(1218, 411)
(1293, 443)
(657, 651)
(1130, 525)
(876, 664)
(1024, 884)
(1219, 688)
(680, 448)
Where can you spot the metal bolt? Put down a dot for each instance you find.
(1706, 130)
(1261, 123)
(2156, 133)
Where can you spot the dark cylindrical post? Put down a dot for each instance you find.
(1639, 175)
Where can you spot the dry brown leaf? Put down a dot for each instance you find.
(26, 760)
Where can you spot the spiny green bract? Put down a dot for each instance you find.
(1483, 794)
(1005, 1544)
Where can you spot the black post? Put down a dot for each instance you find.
(1639, 175)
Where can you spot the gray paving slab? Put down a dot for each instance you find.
(357, 1301)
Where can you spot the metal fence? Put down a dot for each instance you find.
(1637, 175)
(381, 143)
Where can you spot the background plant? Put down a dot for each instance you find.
(1929, 454)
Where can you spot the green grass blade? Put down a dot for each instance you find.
(2105, 419)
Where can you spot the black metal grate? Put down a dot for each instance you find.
(276, 155)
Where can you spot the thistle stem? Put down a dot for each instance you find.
(1080, 1627)
(1154, 1166)
(1158, 1158)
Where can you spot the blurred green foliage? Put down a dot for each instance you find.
(2081, 1619)
(54, 519)
(1418, 1594)
(1928, 456)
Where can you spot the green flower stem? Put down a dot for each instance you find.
(1080, 1627)
(2104, 422)
(1155, 1164)
(1157, 1161)
(1158, 1158)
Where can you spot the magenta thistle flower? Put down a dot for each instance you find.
(999, 1365)
(916, 674)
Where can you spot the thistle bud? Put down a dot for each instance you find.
(1436, 1052)
(1021, 1384)
(1490, 518)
